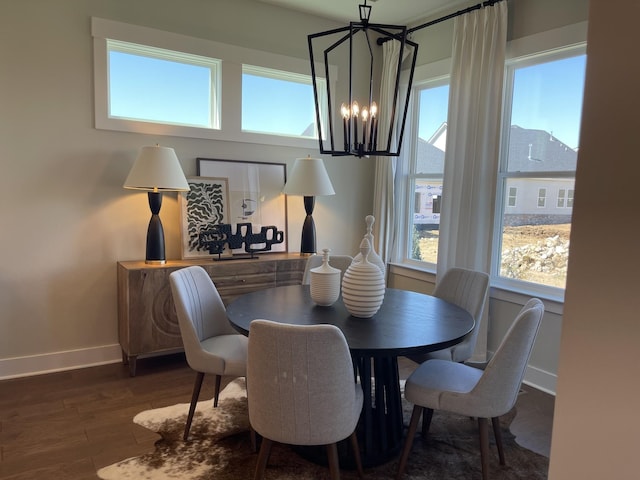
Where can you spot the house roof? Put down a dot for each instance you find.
(536, 150)
(430, 159)
(530, 150)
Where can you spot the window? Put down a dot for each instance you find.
(542, 109)
(161, 86)
(570, 198)
(542, 197)
(565, 198)
(277, 102)
(163, 83)
(426, 170)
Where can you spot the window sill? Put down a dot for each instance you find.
(499, 291)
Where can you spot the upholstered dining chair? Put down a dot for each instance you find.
(341, 262)
(211, 344)
(465, 390)
(468, 289)
(301, 389)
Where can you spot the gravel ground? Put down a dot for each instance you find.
(536, 253)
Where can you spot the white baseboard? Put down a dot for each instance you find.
(541, 379)
(538, 378)
(89, 357)
(59, 361)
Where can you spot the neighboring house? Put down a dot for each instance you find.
(529, 200)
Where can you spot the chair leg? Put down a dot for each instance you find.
(426, 421)
(334, 466)
(356, 453)
(408, 443)
(263, 458)
(498, 434)
(254, 439)
(483, 426)
(217, 392)
(194, 400)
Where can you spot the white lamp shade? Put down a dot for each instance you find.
(157, 169)
(309, 178)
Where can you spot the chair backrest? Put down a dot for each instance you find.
(341, 262)
(467, 289)
(300, 383)
(201, 313)
(497, 389)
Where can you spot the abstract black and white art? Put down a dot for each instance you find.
(205, 205)
(255, 194)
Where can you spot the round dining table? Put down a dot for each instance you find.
(406, 323)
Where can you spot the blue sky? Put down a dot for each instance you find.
(263, 98)
(546, 96)
(143, 84)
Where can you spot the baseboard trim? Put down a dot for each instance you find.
(59, 361)
(540, 379)
(90, 357)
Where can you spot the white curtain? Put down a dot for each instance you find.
(473, 137)
(386, 224)
(473, 140)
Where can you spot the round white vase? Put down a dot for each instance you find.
(325, 282)
(363, 285)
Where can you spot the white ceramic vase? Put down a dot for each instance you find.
(363, 285)
(325, 282)
(373, 256)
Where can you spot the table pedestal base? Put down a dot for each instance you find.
(380, 427)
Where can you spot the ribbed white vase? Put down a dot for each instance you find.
(363, 285)
(325, 282)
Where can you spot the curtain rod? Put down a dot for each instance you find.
(478, 6)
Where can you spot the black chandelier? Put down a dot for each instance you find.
(354, 127)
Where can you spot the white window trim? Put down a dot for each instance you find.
(233, 57)
(212, 64)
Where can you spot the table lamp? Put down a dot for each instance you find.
(308, 178)
(156, 170)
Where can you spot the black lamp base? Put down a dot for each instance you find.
(155, 233)
(308, 240)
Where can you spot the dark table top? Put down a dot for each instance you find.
(407, 322)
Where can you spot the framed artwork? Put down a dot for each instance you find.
(205, 205)
(254, 194)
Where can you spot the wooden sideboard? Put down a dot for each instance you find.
(147, 321)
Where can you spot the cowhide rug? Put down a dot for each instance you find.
(219, 448)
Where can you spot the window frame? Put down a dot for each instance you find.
(214, 66)
(512, 194)
(503, 175)
(287, 76)
(427, 76)
(542, 197)
(232, 59)
(563, 38)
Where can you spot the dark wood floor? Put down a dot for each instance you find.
(67, 425)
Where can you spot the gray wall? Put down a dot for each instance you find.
(66, 220)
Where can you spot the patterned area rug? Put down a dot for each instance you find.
(219, 448)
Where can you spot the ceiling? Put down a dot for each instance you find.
(394, 12)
